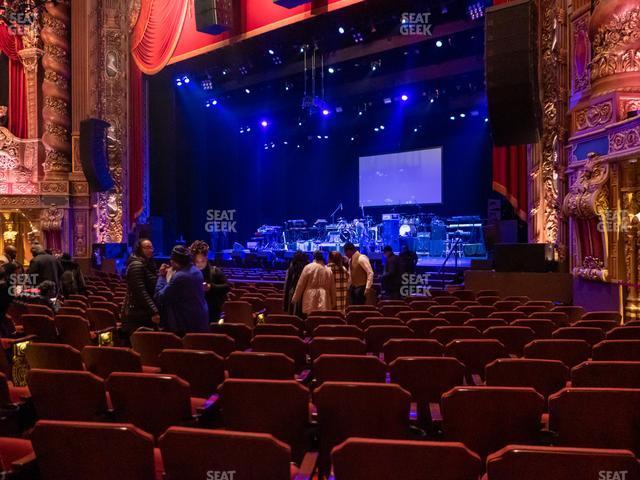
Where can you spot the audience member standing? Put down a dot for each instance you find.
(361, 275)
(298, 262)
(9, 256)
(216, 286)
(45, 267)
(392, 276)
(139, 308)
(181, 299)
(341, 279)
(7, 295)
(316, 289)
(72, 278)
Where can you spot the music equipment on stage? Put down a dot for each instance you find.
(511, 71)
(93, 154)
(523, 257)
(213, 16)
(391, 230)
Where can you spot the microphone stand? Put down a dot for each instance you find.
(333, 215)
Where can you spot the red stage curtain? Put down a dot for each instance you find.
(156, 33)
(510, 171)
(137, 141)
(17, 109)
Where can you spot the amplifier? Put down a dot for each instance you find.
(390, 216)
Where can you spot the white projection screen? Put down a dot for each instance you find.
(404, 178)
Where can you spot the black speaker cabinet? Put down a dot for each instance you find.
(213, 16)
(511, 70)
(93, 154)
(523, 257)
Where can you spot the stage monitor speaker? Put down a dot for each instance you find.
(523, 257)
(93, 154)
(511, 70)
(213, 16)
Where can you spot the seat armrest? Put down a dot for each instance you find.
(307, 467)
(25, 467)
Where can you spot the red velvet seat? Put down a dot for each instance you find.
(377, 335)
(73, 330)
(569, 352)
(39, 309)
(427, 378)
(588, 334)
(445, 335)
(527, 310)
(53, 356)
(446, 299)
(488, 300)
(392, 310)
(544, 376)
(318, 320)
(101, 318)
(361, 308)
(193, 454)
(349, 368)
(293, 347)
(41, 326)
(559, 318)
(368, 458)
(79, 312)
(573, 312)
(411, 347)
(240, 333)
(605, 325)
(508, 317)
(596, 418)
(624, 333)
(277, 407)
(96, 451)
(455, 317)
(486, 419)
(487, 293)
(483, 323)
(16, 458)
(67, 395)
(152, 402)
(102, 361)
(421, 305)
(350, 331)
(462, 294)
(336, 345)
(603, 315)
(407, 315)
(273, 329)
(384, 321)
(355, 317)
(150, 344)
(506, 305)
(384, 303)
(219, 344)
(595, 374)
(203, 370)
(461, 304)
(526, 462)
(435, 310)
(423, 326)
(480, 311)
(75, 303)
(260, 365)
(374, 410)
(326, 313)
(475, 354)
(284, 319)
(542, 327)
(238, 311)
(110, 306)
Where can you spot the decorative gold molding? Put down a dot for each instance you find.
(594, 115)
(588, 196)
(624, 140)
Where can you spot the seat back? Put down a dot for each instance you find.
(542, 327)
(203, 370)
(284, 319)
(67, 395)
(219, 344)
(99, 451)
(617, 350)
(573, 312)
(336, 345)
(355, 317)
(527, 310)
(486, 419)
(350, 331)
(42, 326)
(411, 347)
(277, 407)
(359, 458)
(238, 311)
(422, 305)
(406, 315)
(605, 325)
(38, 309)
(588, 334)
(427, 378)
(150, 344)
(558, 463)
(377, 335)
(596, 418)
(455, 317)
(240, 333)
(603, 315)
(73, 330)
(483, 323)
(544, 376)
(371, 321)
(194, 453)
(272, 329)
(80, 312)
(392, 310)
(293, 347)
(260, 365)
(152, 402)
(372, 410)
(513, 338)
(508, 317)
(561, 319)
(445, 335)
(624, 333)
(318, 320)
(102, 361)
(349, 368)
(101, 318)
(569, 352)
(53, 356)
(506, 305)
(602, 374)
(475, 354)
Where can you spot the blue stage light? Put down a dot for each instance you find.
(404, 98)
(462, 115)
(179, 82)
(185, 79)
(376, 129)
(325, 112)
(331, 70)
(431, 100)
(247, 91)
(248, 129)
(341, 30)
(452, 117)
(214, 102)
(486, 119)
(264, 123)
(271, 52)
(381, 127)
(439, 43)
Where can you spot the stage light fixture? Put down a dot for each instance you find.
(214, 102)
(299, 124)
(225, 71)
(247, 91)
(439, 43)
(331, 70)
(381, 127)
(208, 104)
(360, 113)
(431, 100)
(325, 112)
(186, 79)
(319, 137)
(404, 98)
(242, 130)
(352, 139)
(387, 101)
(462, 115)
(376, 129)
(326, 137)
(248, 129)
(415, 130)
(207, 84)
(341, 30)
(178, 82)
(486, 119)
(338, 109)
(452, 117)
(264, 124)
(271, 52)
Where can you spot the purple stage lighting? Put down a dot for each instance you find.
(264, 123)
(325, 112)
(404, 98)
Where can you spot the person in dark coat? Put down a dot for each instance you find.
(216, 286)
(298, 262)
(392, 277)
(7, 295)
(45, 266)
(140, 309)
(72, 278)
(180, 295)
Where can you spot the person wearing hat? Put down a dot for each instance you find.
(181, 299)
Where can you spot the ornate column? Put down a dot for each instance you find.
(30, 57)
(57, 96)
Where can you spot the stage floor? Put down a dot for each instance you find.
(426, 261)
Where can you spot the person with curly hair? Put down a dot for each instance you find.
(215, 282)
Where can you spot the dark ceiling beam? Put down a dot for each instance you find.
(353, 53)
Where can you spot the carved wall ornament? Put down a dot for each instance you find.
(588, 195)
(18, 164)
(581, 54)
(627, 105)
(624, 140)
(594, 115)
(51, 219)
